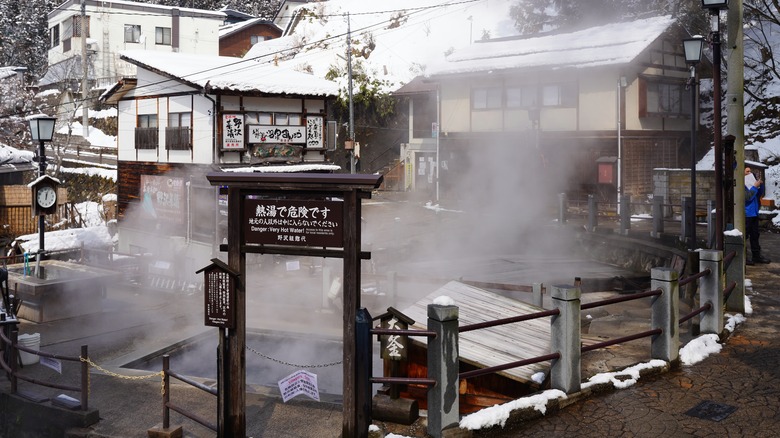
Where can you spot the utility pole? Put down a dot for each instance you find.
(351, 105)
(85, 70)
(735, 108)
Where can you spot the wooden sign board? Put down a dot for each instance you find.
(219, 295)
(316, 223)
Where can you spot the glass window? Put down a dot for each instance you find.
(147, 121)
(54, 36)
(294, 119)
(559, 95)
(180, 120)
(667, 98)
(132, 33)
(281, 119)
(486, 98)
(162, 35)
(254, 39)
(521, 97)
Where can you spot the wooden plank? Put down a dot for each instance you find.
(496, 345)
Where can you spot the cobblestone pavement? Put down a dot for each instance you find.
(745, 375)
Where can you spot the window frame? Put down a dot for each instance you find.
(134, 37)
(657, 92)
(484, 98)
(147, 132)
(178, 133)
(54, 36)
(159, 36)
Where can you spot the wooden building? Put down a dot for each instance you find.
(185, 115)
(547, 107)
(236, 39)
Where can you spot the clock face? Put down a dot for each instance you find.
(46, 196)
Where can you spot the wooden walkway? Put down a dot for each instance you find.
(496, 345)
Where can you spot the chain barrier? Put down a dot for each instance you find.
(324, 365)
(122, 376)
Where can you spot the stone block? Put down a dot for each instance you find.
(160, 432)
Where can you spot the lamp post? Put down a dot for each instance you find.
(693, 48)
(714, 7)
(42, 129)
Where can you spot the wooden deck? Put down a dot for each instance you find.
(496, 345)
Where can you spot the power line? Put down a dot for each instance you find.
(415, 11)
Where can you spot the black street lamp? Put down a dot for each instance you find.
(693, 48)
(42, 129)
(715, 6)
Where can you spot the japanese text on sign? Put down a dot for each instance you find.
(314, 133)
(219, 299)
(291, 222)
(297, 383)
(162, 198)
(393, 346)
(232, 131)
(276, 134)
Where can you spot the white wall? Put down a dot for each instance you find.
(196, 34)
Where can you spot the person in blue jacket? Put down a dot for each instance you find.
(754, 191)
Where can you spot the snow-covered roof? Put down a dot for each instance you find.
(232, 28)
(223, 73)
(611, 44)
(71, 6)
(11, 155)
(8, 72)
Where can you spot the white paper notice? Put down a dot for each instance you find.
(297, 383)
(54, 364)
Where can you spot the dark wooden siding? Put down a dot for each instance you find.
(129, 181)
(238, 44)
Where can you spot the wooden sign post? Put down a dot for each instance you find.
(305, 214)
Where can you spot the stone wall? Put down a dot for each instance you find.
(674, 184)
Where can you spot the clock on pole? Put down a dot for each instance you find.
(44, 195)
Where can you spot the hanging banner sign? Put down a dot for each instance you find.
(293, 222)
(297, 383)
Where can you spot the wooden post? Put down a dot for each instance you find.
(363, 366)
(234, 380)
(84, 379)
(351, 298)
(166, 422)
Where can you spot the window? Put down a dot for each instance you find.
(162, 35)
(146, 133)
(559, 95)
(254, 39)
(667, 99)
(177, 134)
(486, 98)
(54, 36)
(521, 97)
(132, 33)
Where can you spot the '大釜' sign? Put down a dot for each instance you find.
(293, 222)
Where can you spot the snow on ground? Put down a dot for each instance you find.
(96, 137)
